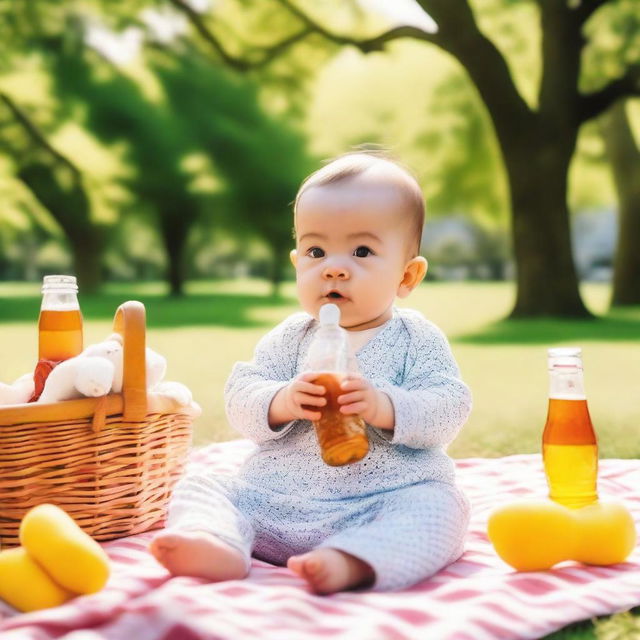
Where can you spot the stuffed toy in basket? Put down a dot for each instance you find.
(109, 462)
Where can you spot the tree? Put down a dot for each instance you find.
(624, 158)
(156, 143)
(468, 171)
(32, 32)
(261, 159)
(59, 187)
(537, 142)
(204, 110)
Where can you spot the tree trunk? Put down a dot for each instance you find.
(175, 271)
(174, 239)
(279, 260)
(85, 249)
(536, 147)
(62, 193)
(624, 158)
(547, 284)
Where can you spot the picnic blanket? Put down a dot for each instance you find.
(477, 598)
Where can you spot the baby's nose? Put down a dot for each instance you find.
(335, 272)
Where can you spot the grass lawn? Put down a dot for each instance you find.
(504, 362)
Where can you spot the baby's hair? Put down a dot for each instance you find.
(355, 163)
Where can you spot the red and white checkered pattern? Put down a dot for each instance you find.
(477, 598)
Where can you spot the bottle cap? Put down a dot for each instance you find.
(329, 314)
(565, 357)
(68, 283)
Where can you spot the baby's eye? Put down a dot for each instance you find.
(315, 252)
(362, 252)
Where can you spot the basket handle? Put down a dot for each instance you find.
(129, 322)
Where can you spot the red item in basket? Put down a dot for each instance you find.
(40, 375)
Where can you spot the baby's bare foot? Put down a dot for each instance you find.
(198, 554)
(329, 570)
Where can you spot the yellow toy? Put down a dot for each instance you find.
(26, 586)
(56, 562)
(69, 555)
(573, 525)
(535, 535)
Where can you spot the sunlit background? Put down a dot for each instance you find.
(153, 149)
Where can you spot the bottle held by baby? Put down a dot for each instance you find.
(59, 326)
(569, 445)
(342, 438)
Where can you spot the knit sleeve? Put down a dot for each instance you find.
(252, 385)
(432, 403)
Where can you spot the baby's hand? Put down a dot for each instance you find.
(300, 396)
(371, 404)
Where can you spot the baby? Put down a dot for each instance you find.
(392, 519)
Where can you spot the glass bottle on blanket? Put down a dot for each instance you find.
(569, 446)
(59, 327)
(342, 438)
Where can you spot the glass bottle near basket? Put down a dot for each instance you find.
(59, 326)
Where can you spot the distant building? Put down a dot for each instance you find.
(459, 249)
(594, 235)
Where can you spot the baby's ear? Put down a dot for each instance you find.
(293, 256)
(414, 272)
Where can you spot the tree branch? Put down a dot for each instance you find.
(240, 64)
(587, 8)
(269, 53)
(487, 68)
(560, 50)
(458, 35)
(366, 45)
(36, 135)
(593, 104)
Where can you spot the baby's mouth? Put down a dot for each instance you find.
(335, 295)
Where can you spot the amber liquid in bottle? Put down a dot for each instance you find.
(342, 438)
(569, 445)
(59, 334)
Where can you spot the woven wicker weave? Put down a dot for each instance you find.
(110, 462)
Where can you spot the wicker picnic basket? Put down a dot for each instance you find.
(110, 462)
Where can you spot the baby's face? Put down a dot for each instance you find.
(352, 250)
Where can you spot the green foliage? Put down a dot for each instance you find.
(468, 170)
(260, 158)
(613, 43)
(205, 114)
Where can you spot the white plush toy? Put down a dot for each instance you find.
(80, 376)
(18, 392)
(111, 349)
(174, 390)
(97, 371)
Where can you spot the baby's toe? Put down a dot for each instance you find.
(310, 568)
(162, 547)
(296, 564)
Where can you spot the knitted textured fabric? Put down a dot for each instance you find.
(397, 503)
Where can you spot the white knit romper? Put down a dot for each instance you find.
(398, 509)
